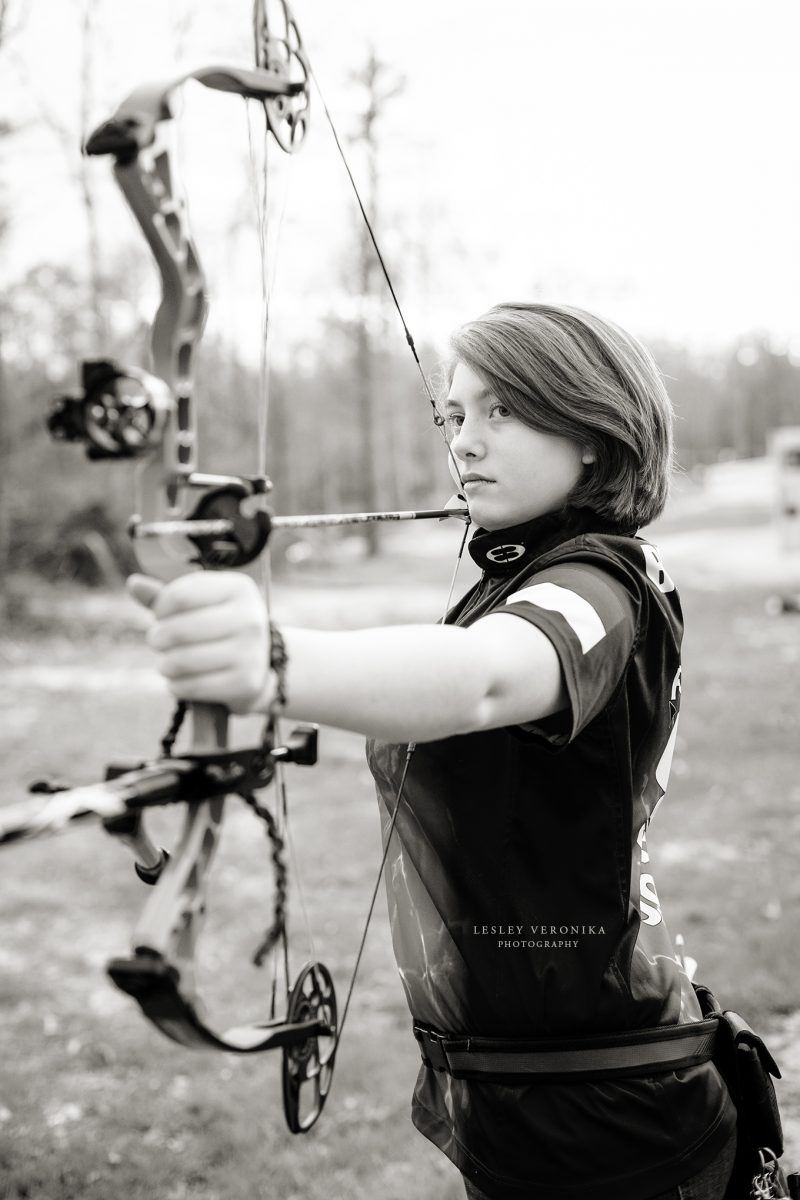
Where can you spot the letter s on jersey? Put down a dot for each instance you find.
(649, 905)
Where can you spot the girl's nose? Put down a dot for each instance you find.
(467, 442)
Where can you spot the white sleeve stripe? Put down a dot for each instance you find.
(582, 619)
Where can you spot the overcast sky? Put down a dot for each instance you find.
(639, 157)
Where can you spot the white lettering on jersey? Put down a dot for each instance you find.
(656, 569)
(642, 840)
(665, 763)
(583, 620)
(649, 905)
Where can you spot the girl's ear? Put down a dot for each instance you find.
(588, 456)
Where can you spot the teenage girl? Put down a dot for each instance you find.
(544, 710)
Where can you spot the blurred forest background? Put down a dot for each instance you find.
(349, 422)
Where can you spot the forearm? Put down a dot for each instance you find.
(404, 683)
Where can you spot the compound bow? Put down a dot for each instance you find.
(188, 520)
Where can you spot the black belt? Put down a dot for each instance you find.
(601, 1056)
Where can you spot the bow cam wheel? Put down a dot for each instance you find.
(308, 1064)
(279, 49)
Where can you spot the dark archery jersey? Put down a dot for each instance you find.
(522, 898)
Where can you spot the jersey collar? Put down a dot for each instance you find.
(505, 551)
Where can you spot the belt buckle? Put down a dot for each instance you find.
(432, 1047)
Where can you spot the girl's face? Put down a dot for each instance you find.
(511, 473)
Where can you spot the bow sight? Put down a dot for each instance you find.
(118, 414)
(124, 413)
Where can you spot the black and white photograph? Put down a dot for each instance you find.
(399, 600)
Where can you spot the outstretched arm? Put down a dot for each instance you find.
(402, 683)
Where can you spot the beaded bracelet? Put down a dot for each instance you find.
(278, 661)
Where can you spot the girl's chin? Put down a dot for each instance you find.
(488, 516)
(491, 519)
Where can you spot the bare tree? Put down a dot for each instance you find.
(6, 130)
(10, 20)
(380, 85)
(99, 325)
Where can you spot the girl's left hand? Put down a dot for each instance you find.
(211, 633)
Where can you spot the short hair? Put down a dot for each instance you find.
(564, 371)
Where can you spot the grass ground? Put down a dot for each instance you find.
(94, 1103)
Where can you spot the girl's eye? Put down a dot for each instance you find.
(500, 410)
(454, 420)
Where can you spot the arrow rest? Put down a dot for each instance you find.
(247, 534)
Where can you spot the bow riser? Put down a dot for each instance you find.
(137, 136)
(161, 489)
(179, 322)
